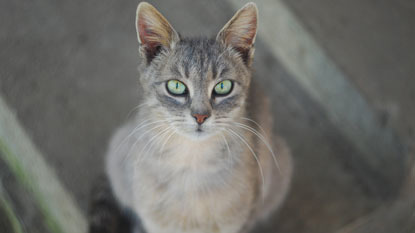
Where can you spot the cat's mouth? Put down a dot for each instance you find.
(199, 133)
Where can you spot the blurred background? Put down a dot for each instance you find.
(341, 75)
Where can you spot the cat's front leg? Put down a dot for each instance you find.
(154, 227)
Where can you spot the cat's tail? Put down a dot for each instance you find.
(104, 214)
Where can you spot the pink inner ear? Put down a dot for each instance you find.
(247, 33)
(146, 34)
(251, 31)
(242, 32)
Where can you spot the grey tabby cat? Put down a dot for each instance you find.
(198, 157)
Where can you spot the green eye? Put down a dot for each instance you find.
(176, 87)
(223, 88)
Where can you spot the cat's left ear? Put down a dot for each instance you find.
(153, 31)
(240, 32)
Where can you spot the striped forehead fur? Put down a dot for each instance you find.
(200, 54)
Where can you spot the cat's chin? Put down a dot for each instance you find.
(198, 135)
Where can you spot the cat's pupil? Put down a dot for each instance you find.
(177, 85)
(221, 85)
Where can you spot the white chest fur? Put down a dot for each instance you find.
(193, 187)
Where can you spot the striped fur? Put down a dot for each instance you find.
(177, 175)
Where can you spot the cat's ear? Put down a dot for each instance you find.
(240, 31)
(153, 31)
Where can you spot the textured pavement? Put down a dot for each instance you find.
(68, 69)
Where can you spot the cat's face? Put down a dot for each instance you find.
(196, 85)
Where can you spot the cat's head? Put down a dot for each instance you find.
(196, 85)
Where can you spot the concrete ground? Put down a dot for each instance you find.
(68, 69)
(372, 41)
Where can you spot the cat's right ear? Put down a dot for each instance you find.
(240, 32)
(153, 31)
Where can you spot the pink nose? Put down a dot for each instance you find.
(200, 118)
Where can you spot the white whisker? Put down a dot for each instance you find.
(138, 139)
(136, 108)
(164, 143)
(255, 156)
(262, 138)
(256, 123)
(138, 127)
(227, 146)
(143, 151)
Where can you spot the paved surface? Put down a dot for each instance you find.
(69, 71)
(61, 66)
(372, 41)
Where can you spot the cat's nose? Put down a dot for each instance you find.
(200, 118)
